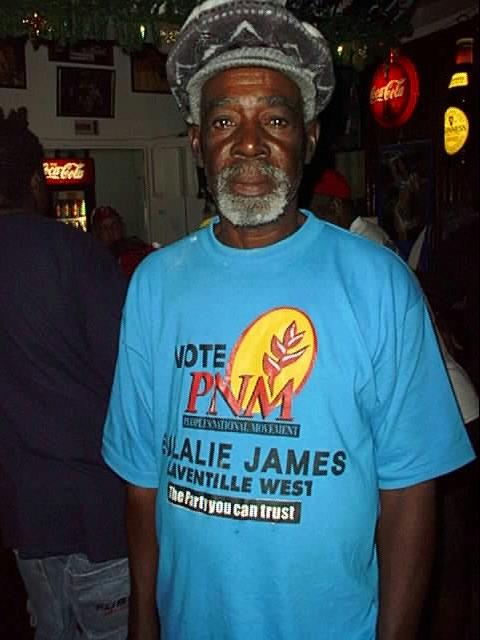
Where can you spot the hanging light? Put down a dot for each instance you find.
(36, 24)
(168, 33)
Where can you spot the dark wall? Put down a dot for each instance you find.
(451, 279)
(433, 56)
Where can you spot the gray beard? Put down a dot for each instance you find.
(252, 211)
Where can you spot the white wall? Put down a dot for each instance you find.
(144, 166)
(174, 209)
(137, 115)
(126, 191)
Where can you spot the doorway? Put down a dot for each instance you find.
(120, 183)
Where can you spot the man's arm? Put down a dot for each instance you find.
(143, 621)
(405, 543)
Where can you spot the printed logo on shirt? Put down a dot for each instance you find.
(269, 365)
(250, 392)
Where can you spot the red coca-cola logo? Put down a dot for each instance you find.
(67, 171)
(394, 92)
(390, 91)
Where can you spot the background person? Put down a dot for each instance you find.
(61, 508)
(279, 414)
(332, 201)
(108, 226)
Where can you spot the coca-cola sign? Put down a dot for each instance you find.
(394, 92)
(68, 171)
(393, 89)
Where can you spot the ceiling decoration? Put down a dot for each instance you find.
(358, 31)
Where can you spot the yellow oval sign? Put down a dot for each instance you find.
(456, 130)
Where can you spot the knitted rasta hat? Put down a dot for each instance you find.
(224, 34)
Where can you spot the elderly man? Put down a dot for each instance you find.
(275, 410)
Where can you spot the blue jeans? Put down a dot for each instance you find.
(71, 598)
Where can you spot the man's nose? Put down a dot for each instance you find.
(250, 141)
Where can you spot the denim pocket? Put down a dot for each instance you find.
(99, 593)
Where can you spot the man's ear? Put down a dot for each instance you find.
(312, 134)
(194, 137)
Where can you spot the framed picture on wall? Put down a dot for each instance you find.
(12, 63)
(149, 71)
(85, 52)
(404, 196)
(85, 93)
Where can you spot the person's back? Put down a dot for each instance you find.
(60, 296)
(61, 508)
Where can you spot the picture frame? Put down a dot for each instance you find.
(148, 70)
(84, 52)
(405, 195)
(85, 92)
(13, 74)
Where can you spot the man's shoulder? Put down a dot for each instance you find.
(25, 219)
(49, 245)
(371, 230)
(363, 239)
(368, 265)
(30, 234)
(182, 253)
(27, 225)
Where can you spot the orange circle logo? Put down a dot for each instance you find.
(272, 359)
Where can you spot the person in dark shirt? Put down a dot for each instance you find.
(61, 508)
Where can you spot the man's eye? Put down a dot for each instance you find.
(277, 121)
(222, 123)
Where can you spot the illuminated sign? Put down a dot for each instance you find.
(68, 171)
(394, 92)
(455, 130)
(459, 79)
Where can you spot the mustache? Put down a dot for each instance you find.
(249, 170)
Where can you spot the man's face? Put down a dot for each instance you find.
(108, 230)
(252, 142)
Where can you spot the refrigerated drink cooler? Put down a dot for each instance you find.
(71, 184)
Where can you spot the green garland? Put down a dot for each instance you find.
(74, 20)
(132, 22)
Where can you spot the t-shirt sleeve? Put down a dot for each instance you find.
(129, 439)
(418, 430)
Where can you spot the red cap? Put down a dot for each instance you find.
(333, 184)
(102, 213)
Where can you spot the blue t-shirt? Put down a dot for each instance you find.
(268, 394)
